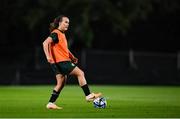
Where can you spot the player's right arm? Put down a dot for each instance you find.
(47, 48)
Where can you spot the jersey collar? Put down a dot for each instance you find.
(60, 31)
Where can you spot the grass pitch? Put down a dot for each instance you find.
(123, 102)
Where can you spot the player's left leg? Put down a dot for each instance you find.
(82, 82)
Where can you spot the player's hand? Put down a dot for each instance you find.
(74, 60)
(50, 60)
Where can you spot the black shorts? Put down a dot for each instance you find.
(63, 68)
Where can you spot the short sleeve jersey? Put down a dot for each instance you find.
(59, 48)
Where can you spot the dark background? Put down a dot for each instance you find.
(132, 40)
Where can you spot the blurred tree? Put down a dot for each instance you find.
(117, 15)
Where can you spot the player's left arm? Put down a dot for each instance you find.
(73, 58)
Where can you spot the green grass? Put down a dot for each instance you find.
(123, 101)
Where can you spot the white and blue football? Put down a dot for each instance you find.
(100, 102)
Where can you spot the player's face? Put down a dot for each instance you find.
(64, 24)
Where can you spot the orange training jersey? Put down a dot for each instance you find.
(59, 51)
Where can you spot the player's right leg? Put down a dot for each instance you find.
(51, 105)
(55, 94)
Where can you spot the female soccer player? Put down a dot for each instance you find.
(62, 61)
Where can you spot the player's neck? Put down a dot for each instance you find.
(61, 30)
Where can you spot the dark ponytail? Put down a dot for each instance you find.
(55, 24)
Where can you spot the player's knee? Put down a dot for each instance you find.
(81, 73)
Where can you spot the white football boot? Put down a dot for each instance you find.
(92, 96)
(51, 105)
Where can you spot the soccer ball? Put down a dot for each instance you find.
(100, 102)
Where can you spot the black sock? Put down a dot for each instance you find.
(86, 89)
(54, 96)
